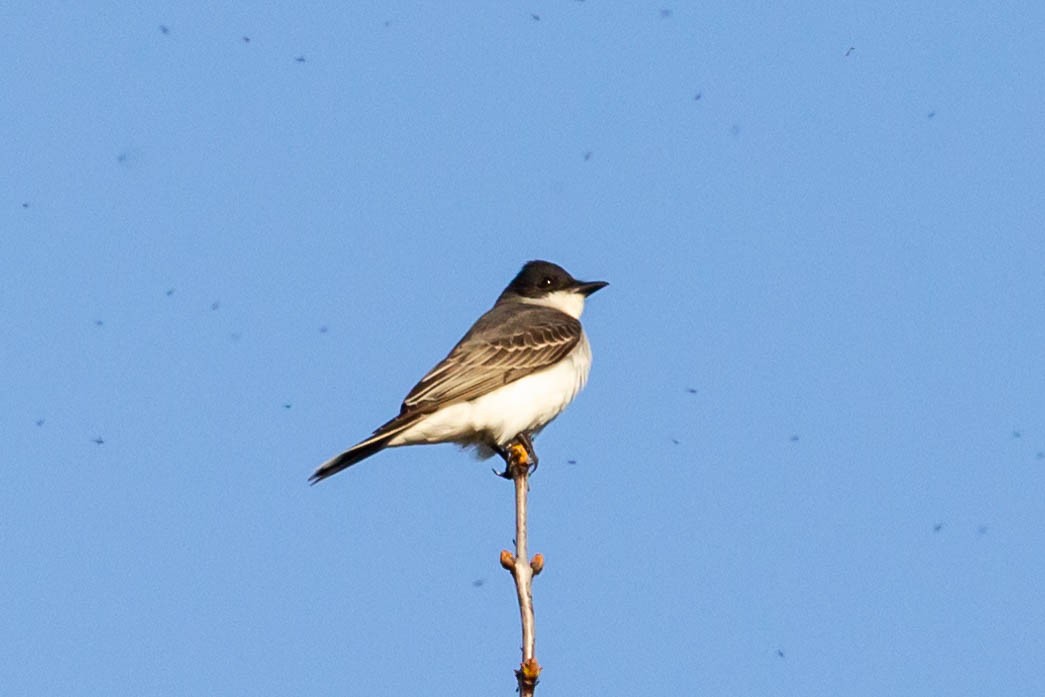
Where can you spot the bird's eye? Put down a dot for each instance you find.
(546, 282)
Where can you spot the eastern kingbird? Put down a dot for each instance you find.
(514, 371)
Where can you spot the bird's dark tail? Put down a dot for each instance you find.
(347, 459)
(360, 451)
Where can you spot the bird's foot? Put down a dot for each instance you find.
(517, 454)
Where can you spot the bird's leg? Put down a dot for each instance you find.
(506, 455)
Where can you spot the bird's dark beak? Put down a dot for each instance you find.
(586, 288)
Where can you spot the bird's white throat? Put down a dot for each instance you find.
(568, 301)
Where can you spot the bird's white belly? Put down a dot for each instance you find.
(525, 405)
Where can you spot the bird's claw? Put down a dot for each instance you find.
(517, 454)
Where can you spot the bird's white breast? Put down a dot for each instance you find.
(525, 405)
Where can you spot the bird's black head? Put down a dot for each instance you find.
(538, 279)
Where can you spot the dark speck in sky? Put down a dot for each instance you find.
(99, 323)
(982, 529)
(571, 462)
(246, 39)
(1040, 455)
(25, 204)
(850, 50)
(300, 59)
(665, 13)
(478, 582)
(780, 653)
(675, 441)
(691, 390)
(323, 329)
(99, 440)
(587, 155)
(287, 405)
(165, 29)
(170, 292)
(794, 438)
(938, 527)
(39, 422)
(215, 305)
(932, 114)
(1017, 434)
(697, 96)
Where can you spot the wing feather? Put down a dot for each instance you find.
(504, 345)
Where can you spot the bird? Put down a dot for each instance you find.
(513, 372)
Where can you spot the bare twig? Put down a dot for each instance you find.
(523, 570)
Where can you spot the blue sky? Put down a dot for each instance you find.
(810, 457)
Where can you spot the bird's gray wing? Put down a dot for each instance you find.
(509, 342)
